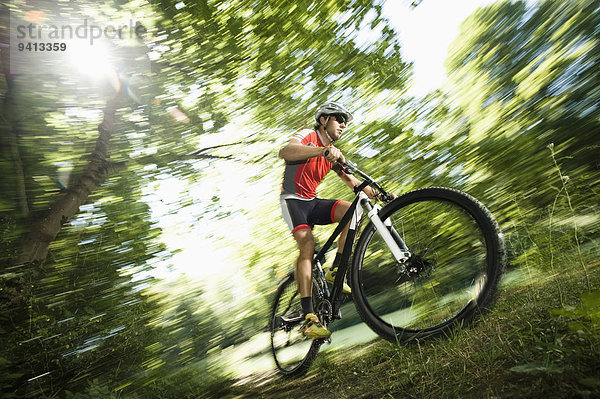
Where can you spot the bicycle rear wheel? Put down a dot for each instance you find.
(293, 353)
(457, 260)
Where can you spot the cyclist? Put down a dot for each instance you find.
(309, 155)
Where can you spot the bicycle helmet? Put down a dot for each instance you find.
(330, 108)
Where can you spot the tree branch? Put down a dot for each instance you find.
(45, 229)
(223, 145)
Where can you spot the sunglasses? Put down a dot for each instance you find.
(340, 118)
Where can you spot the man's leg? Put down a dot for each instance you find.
(339, 212)
(312, 327)
(303, 273)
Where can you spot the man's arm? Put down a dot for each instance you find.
(296, 151)
(352, 182)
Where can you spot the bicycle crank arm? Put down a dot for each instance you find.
(400, 254)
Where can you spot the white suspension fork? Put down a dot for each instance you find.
(399, 253)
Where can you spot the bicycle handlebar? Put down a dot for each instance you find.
(350, 168)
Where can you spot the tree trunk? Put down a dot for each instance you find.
(12, 136)
(44, 229)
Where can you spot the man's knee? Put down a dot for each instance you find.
(305, 241)
(340, 210)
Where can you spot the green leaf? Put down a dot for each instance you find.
(537, 367)
(591, 299)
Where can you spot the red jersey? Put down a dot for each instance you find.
(301, 178)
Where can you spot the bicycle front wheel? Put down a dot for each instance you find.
(457, 257)
(293, 352)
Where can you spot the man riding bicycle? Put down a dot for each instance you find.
(309, 155)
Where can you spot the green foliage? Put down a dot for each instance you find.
(91, 320)
(522, 77)
(585, 318)
(82, 311)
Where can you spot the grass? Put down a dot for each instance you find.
(520, 349)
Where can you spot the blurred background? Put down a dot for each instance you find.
(141, 236)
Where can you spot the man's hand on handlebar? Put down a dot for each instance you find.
(373, 190)
(387, 197)
(384, 197)
(333, 154)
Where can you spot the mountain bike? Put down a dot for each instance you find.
(426, 263)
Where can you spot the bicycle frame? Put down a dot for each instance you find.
(353, 216)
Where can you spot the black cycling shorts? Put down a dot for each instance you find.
(304, 214)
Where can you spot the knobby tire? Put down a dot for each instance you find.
(458, 258)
